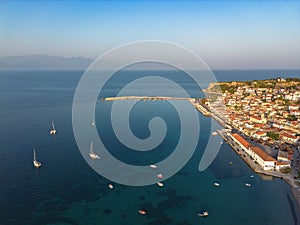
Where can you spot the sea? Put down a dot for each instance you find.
(66, 190)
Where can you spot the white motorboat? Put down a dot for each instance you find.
(247, 185)
(216, 184)
(153, 166)
(160, 184)
(203, 213)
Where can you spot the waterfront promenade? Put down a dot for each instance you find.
(288, 178)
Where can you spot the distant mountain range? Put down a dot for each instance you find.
(44, 62)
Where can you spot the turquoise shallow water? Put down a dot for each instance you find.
(67, 191)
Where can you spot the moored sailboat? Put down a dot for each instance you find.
(53, 131)
(36, 163)
(91, 153)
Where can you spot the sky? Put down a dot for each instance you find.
(225, 34)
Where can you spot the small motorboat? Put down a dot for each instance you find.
(247, 185)
(214, 133)
(160, 176)
(203, 213)
(142, 212)
(216, 184)
(252, 176)
(153, 166)
(160, 184)
(110, 186)
(230, 163)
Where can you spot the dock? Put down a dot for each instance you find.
(144, 98)
(200, 108)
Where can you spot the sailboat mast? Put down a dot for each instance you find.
(34, 155)
(91, 147)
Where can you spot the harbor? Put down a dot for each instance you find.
(226, 134)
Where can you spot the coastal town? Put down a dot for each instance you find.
(261, 122)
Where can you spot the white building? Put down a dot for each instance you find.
(262, 158)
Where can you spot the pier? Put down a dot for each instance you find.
(144, 98)
(200, 108)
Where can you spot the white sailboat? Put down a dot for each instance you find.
(36, 163)
(91, 153)
(53, 131)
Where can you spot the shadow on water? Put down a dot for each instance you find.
(294, 209)
(158, 213)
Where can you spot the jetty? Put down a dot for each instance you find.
(144, 98)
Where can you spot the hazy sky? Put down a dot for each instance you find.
(226, 34)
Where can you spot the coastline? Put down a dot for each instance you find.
(295, 188)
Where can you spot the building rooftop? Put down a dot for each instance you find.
(242, 140)
(262, 154)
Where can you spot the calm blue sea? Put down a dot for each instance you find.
(65, 190)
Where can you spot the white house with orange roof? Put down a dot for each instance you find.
(260, 135)
(262, 158)
(289, 138)
(258, 119)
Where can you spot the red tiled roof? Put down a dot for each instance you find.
(289, 136)
(261, 132)
(258, 125)
(282, 163)
(262, 154)
(255, 117)
(240, 139)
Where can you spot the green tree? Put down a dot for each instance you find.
(272, 135)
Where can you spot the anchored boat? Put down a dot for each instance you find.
(160, 184)
(36, 163)
(216, 184)
(153, 166)
(203, 213)
(142, 212)
(91, 153)
(214, 133)
(53, 131)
